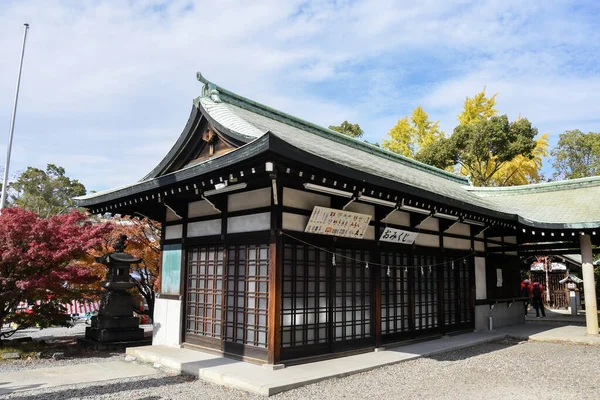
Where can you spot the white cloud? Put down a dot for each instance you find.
(115, 79)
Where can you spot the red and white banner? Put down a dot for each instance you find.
(77, 307)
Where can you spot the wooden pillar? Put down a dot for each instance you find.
(589, 289)
(376, 279)
(275, 274)
(376, 309)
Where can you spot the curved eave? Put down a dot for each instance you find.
(193, 120)
(255, 148)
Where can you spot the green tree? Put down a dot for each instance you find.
(47, 192)
(352, 130)
(577, 155)
(482, 148)
(412, 134)
(478, 108)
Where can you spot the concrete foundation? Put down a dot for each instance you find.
(502, 315)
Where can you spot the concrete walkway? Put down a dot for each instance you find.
(261, 380)
(551, 332)
(69, 375)
(264, 381)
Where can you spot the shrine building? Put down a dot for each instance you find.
(284, 241)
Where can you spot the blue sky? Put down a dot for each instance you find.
(108, 85)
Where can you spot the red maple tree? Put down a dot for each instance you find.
(39, 264)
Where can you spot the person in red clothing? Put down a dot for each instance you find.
(537, 297)
(525, 286)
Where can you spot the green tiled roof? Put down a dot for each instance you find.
(575, 201)
(569, 204)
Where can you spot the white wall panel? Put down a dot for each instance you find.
(430, 224)
(460, 229)
(200, 209)
(174, 232)
(171, 216)
(294, 222)
(479, 246)
(248, 200)
(370, 233)
(480, 280)
(424, 239)
(361, 208)
(398, 218)
(510, 239)
(167, 322)
(249, 223)
(455, 243)
(304, 200)
(204, 228)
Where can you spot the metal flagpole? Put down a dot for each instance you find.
(12, 124)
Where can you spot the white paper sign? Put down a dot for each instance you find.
(328, 221)
(398, 236)
(499, 277)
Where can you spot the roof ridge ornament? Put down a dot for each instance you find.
(209, 90)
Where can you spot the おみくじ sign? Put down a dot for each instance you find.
(398, 236)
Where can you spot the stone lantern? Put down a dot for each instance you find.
(115, 326)
(572, 282)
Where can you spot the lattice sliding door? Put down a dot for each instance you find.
(247, 294)
(395, 300)
(425, 282)
(305, 297)
(205, 291)
(352, 296)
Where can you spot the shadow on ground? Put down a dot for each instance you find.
(474, 351)
(106, 388)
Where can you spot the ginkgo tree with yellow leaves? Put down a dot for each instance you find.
(489, 148)
(411, 134)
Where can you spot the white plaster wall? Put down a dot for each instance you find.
(200, 209)
(455, 243)
(248, 200)
(479, 246)
(173, 232)
(249, 223)
(167, 322)
(304, 200)
(480, 279)
(171, 216)
(430, 224)
(370, 233)
(398, 218)
(294, 222)
(424, 239)
(361, 208)
(460, 229)
(204, 228)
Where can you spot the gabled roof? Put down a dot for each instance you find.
(264, 129)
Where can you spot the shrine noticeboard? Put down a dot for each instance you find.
(328, 221)
(171, 269)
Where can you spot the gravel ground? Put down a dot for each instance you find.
(78, 329)
(60, 339)
(502, 370)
